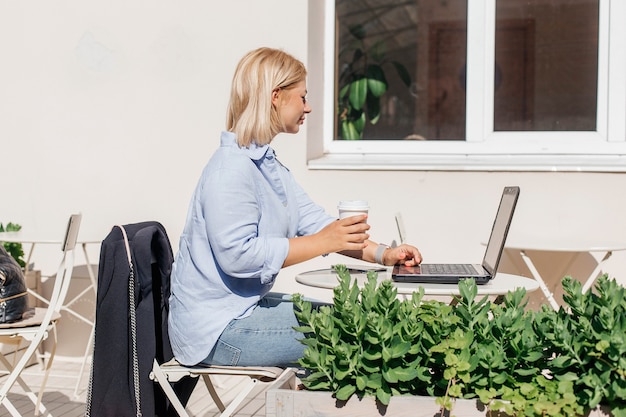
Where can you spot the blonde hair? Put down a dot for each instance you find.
(251, 115)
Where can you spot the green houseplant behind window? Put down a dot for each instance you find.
(363, 82)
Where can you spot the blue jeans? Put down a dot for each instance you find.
(265, 338)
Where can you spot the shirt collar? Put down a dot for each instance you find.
(254, 151)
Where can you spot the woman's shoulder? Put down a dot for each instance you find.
(230, 158)
(228, 166)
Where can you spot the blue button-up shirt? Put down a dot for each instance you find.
(245, 207)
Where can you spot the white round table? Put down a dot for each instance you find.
(500, 285)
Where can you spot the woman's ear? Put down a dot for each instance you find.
(275, 96)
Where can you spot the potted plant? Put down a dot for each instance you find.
(473, 356)
(14, 249)
(362, 82)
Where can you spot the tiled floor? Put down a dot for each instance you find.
(61, 400)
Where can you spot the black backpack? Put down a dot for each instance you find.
(13, 294)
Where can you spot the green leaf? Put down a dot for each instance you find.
(468, 290)
(370, 367)
(319, 385)
(561, 361)
(375, 381)
(345, 392)
(569, 376)
(341, 374)
(384, 396)
(619, 410)
(401, 374)
(349, 131)
(402, 73)
(449, 373)
(390, 376)
(372, 355)
(358, 93)
(500, 378)
(359, 124)
(533, 356)
(386, 354)
(303, 329)
(399, 348)
(526, 372)
(376, 81)
(361, 382)
(455, 391)
(344, 91)
(451, 359)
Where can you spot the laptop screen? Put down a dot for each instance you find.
(500, 229)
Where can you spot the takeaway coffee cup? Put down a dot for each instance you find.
(349, 208)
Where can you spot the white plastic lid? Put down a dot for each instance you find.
(353, 205)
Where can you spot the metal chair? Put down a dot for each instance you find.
(172, 371)
(36, 326)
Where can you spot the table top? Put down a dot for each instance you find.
(500, 285)
(32, 238)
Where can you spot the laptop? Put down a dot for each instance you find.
(482, 273)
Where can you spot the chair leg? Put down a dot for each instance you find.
(4, 391)
(234, 404)
(216, 398)
(161, 378)
(48, 366)
(12, 410)
(88, 350)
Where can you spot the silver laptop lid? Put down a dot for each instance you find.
(500, 229)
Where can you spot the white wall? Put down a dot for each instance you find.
(112, 109)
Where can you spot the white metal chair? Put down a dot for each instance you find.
(172, 371)
(36, 326)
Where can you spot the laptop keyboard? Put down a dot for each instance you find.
(452, 269)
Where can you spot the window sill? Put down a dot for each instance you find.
(473, 162)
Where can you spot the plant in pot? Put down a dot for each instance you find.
(14, 249)
(500, 356)
(362, 82)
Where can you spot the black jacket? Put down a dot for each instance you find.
(112, 387)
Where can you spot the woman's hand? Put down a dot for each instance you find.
(347, 234)
(403, 254)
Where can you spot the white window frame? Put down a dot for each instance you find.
(603, 150)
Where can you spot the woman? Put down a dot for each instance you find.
(248, 219)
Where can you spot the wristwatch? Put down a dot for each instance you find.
(380, 250)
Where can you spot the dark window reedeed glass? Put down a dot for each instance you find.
(400, 69)
(546, 65)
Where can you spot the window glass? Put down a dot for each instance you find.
(400, 69)
(546, 65)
